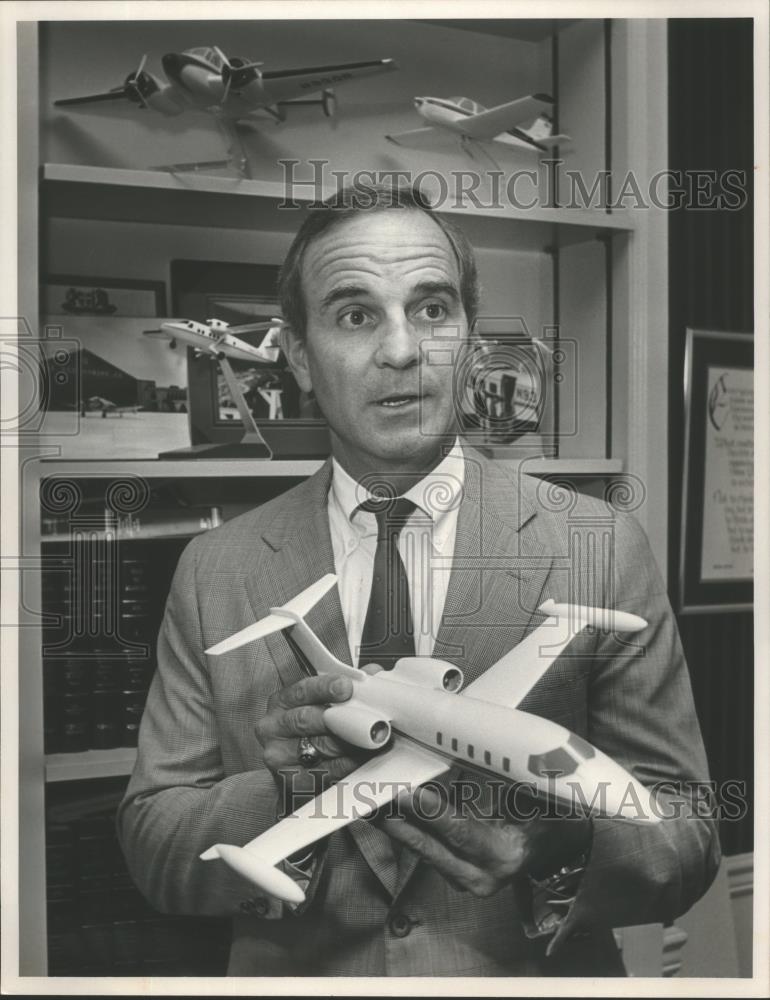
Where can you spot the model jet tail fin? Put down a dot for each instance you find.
(279, 618)
(250, 866)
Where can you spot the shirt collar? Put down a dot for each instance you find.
(436, 495)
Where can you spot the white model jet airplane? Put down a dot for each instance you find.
(413, 716)
(230, 89)
(217, 338)
(504, 123)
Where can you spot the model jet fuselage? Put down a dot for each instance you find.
(213, 338)
(494, 739)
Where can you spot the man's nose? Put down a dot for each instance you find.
(399, 345)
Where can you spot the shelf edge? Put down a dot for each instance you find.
(65, 173)
(89, 764)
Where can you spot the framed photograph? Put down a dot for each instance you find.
(238, 293)
(112, 391)
(716, 569)
(506, 392)
(77, 295)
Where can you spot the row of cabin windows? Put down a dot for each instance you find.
(559, 760)
(472, 752)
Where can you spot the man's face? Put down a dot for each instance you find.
(384, 327)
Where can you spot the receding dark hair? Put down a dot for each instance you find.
(348, 202)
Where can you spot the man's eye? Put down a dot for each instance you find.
(354, 319)
(434, 311)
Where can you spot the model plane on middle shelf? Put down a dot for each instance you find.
(215, 339)
(219, 340)
(473, 123)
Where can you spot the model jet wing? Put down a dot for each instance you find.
(508, 681)
(256, 326)
(401, 769)
(488, 124)
(283, 85)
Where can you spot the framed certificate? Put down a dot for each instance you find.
(716, 567)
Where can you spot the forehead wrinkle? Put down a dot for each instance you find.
(349, 265)
(380, 249)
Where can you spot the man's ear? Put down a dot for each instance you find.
(294, 348)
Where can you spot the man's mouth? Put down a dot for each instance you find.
(397, 400)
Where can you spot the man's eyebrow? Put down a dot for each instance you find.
(420, 290)
(350, 291)
(436, 288)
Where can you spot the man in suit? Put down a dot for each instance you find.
(378, 295)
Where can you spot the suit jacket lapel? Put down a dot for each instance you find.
(300, 553)
(498, 571)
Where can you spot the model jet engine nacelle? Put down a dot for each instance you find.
(358, 724)
(424, 671)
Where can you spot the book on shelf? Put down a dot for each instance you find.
(102, 620)
(98, 922)
(127, 527)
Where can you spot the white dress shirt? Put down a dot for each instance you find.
(426, 545)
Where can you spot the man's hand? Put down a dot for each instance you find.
(297, 711)
(481, 855)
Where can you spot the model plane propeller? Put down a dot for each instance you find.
(231, 88)
(419, 726)
(507, 124)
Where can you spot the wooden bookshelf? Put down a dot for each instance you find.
(132, 222)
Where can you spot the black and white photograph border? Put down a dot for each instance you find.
(591, 425)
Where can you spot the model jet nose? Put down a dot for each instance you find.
(419, 101)
(629, 800)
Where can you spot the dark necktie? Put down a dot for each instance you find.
(388, 629)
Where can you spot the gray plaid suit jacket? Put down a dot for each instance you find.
(200, 778)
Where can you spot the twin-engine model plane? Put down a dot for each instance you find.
(473, 123)
(231, 89)
(420, 726)
(218, 339)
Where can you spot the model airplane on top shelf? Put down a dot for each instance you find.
(507, 124)
(418, 726)
(231, 89)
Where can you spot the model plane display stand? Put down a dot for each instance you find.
(251, 445)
